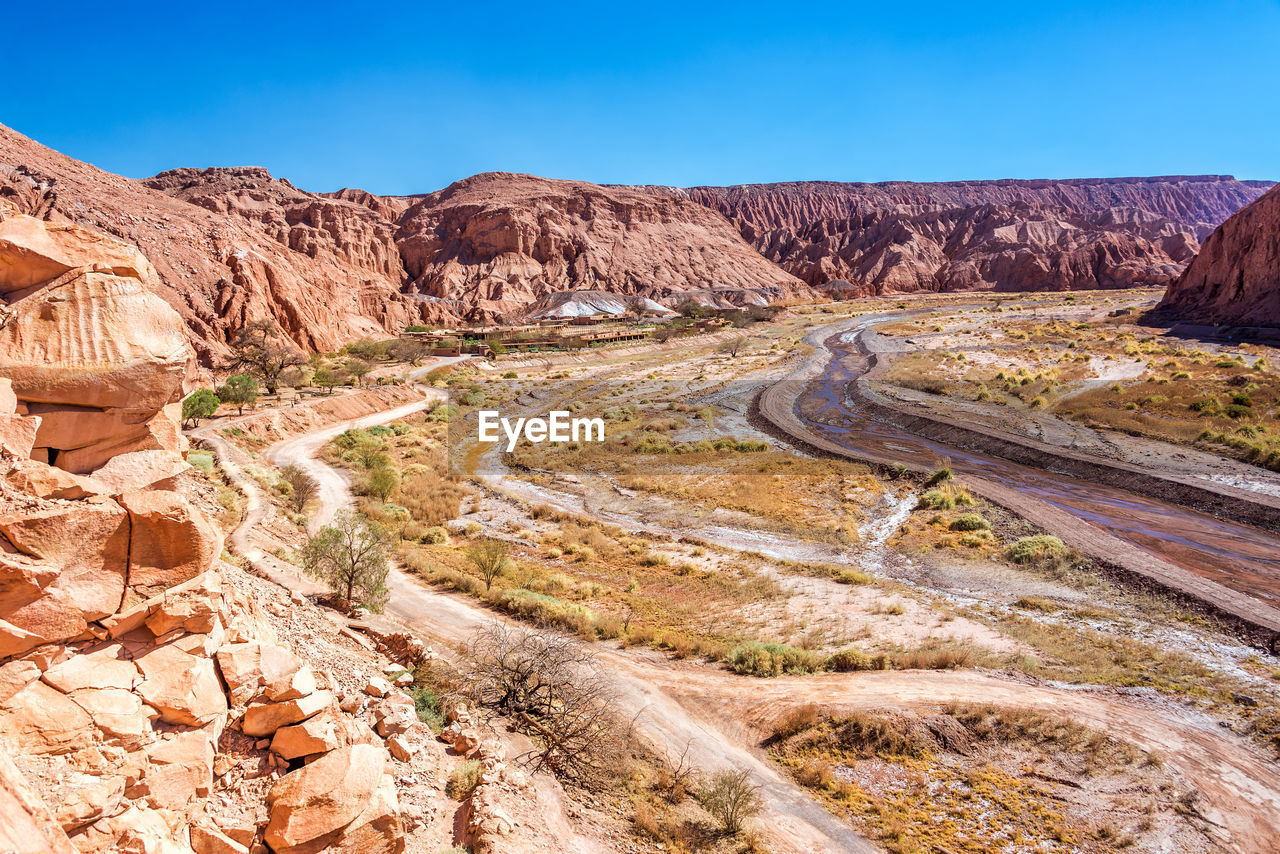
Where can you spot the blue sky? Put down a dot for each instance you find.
(403, 98)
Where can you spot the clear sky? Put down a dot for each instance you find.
(403, 98)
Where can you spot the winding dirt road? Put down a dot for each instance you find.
(712, 712)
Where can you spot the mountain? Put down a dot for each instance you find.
(229, 247)
(1236, 277)
(495, 243)
(903, 237)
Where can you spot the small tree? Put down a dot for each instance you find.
(302, 486)
(732, 799)
(734, 346)
(490, 557)
(201, 403)
(358, 368)
(264, 352)
(240, 390)
(382, 481)
(326, 379)
(693, 309)
(351, 556)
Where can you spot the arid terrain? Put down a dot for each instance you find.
(986, 559)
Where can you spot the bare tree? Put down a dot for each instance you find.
(553, 690)
(735, 345)
(351, 556)
(732, 799)
(490, 557)
(302, 485)
(262, 350)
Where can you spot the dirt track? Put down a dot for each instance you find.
(712, 711)
(1256, 620)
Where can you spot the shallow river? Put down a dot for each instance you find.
(1237, 556)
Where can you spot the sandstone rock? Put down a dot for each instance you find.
(207, 839)
(102, 668)
(26, 826)
(250, 666)
(191, 607)
(68, 567)
(344, 790)
(44, 481)
(33, 252)
(117, 713)
(16, 675)
(400, 748)
(85, 798)
(394, 716)
(153, 469)
(143, 831)
(40, 719)
(171, 541)
(266, 718)
(328, 730)
(1236, 277)
(377, 687)
(292, 687)
(18, 435)
(184, 688)
(180, 769)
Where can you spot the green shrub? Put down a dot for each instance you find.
(969, 522)
(772, 659)
(463, 780)
(1037, 549)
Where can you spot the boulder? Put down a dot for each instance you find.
(118, 714)
(60, 568)
(40, 719)
(293, 687)
(171, 541)
(16, 675)
(343, 793)
(266, 718)
(184, 688)
(102, 668)
(207, 839)
(377, 687)
(45, 481)
(393, 716)
(18, 434)
(179, 769)
(250, 666)
(328, 730)
(190, 607)
(85, 798)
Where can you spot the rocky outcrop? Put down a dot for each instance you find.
(900, 237)
(87, 349)
(1236, 277)
(493, 244)
(229, 246)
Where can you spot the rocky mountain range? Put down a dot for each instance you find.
(900, 237)
(230, 245)
(1236, 277)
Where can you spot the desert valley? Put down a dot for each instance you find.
(924, 517)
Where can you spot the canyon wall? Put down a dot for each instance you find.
(1236, 277)
(900, 237)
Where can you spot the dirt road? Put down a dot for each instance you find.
(711, 711)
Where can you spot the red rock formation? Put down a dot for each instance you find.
(495, 243)
(1236, 277)
(979, 235)
(244, 247)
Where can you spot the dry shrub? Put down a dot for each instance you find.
(796, 721)
(430, 499)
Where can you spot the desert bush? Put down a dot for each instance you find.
(796, 721)
(969, 522)
(848, 661)
(490, 557)
(463, 780)
(732, 799)
(771, 659)
(1039, 549)
(303, 487)
(351, 556)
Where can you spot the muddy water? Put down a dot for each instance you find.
(1237, 556)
